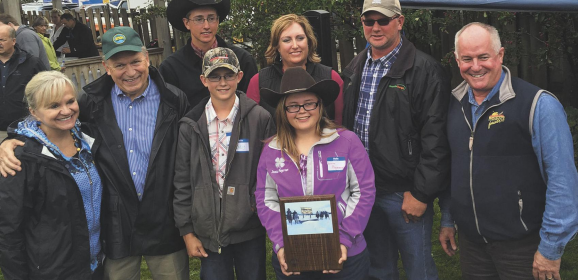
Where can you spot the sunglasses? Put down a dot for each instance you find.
(381, 22)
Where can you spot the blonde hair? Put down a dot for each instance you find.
(283, 23)
(286, 133)
(46, 87)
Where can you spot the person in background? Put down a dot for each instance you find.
(27, 39)
(293, 44)
(40, 25)
(514, 186)
(50, 214)
(396, 100)
(17, 68)
(225, 131)
(296, 162)
(200, 18)
(58, 29)
(79, 38)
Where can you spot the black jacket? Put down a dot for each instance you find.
(79, 40)
(198, 208)
(183, 70)
(130, 227)
(23, 66)
(43, 228)
(408, 145)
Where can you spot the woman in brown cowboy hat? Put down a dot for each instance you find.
(310, 155)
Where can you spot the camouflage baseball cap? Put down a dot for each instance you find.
(220, 58)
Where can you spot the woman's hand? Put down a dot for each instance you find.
(283, 264)
(341, 260)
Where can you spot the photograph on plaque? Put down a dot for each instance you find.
(310, 233)
(311, 217)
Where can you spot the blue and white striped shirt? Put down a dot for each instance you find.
(373, 71)
(136, 120)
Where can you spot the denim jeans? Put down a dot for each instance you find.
(498, 260)
(248, 259)
(354, 268)
(387, 233)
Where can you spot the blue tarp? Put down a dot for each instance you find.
(493, 5)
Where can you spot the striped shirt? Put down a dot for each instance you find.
(219, 137)
(373, 71)
(136, 120)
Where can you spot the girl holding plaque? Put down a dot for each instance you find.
(310, 155)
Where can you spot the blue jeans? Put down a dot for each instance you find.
(387, 233)
(248, 259)
(354, 268)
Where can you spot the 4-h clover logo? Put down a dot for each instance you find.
(279, 162)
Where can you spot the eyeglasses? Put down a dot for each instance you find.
(201, 20)
(227, 77)
(381, 22)
(307, 107)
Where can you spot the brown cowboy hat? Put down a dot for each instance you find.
(295, 80)
(178, 9)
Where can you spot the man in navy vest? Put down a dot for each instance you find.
(514, 185)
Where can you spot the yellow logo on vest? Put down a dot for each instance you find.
(495, 118)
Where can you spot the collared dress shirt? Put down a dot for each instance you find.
(137, 120)
(373, 71)
(219, 137)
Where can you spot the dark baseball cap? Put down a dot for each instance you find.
(220, 58)
(119, 39)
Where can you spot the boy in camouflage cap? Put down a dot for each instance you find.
(215, 207)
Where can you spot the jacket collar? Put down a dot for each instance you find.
(327, 136)
(87, 138)
(505, 92)
(190, 52)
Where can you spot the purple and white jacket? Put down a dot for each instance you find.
(353, 185)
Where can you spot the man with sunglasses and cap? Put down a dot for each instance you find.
(395, 100)
(201, 19)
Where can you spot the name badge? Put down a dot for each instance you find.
(335, 164)
(243, 146)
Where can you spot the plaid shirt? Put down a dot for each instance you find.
(373, 71)
(219, 136)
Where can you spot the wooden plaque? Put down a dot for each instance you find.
(310, 233)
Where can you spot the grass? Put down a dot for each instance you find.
(448, 268)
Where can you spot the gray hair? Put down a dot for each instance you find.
(494, 35)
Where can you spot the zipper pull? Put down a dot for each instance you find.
(219, 250)
(320, 164)
(471, 140)
(409, 147)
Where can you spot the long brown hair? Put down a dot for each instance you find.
(286, 133)
(283, 23)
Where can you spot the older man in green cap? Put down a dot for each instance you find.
(135, 114)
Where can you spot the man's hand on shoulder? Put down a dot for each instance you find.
(412, 209)
(9, 164)
(544, 268)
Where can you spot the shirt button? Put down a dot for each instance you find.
(134, 173)
(366, 129)
(368, 111)
(139, 194)
(130, 107)
(131, 151)
(130, 129)
(223, 155)
(371, 93)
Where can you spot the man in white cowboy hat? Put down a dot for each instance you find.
(201, 19)
(395, 100)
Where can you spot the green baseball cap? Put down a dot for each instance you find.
(220, 58)
(120, 39)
